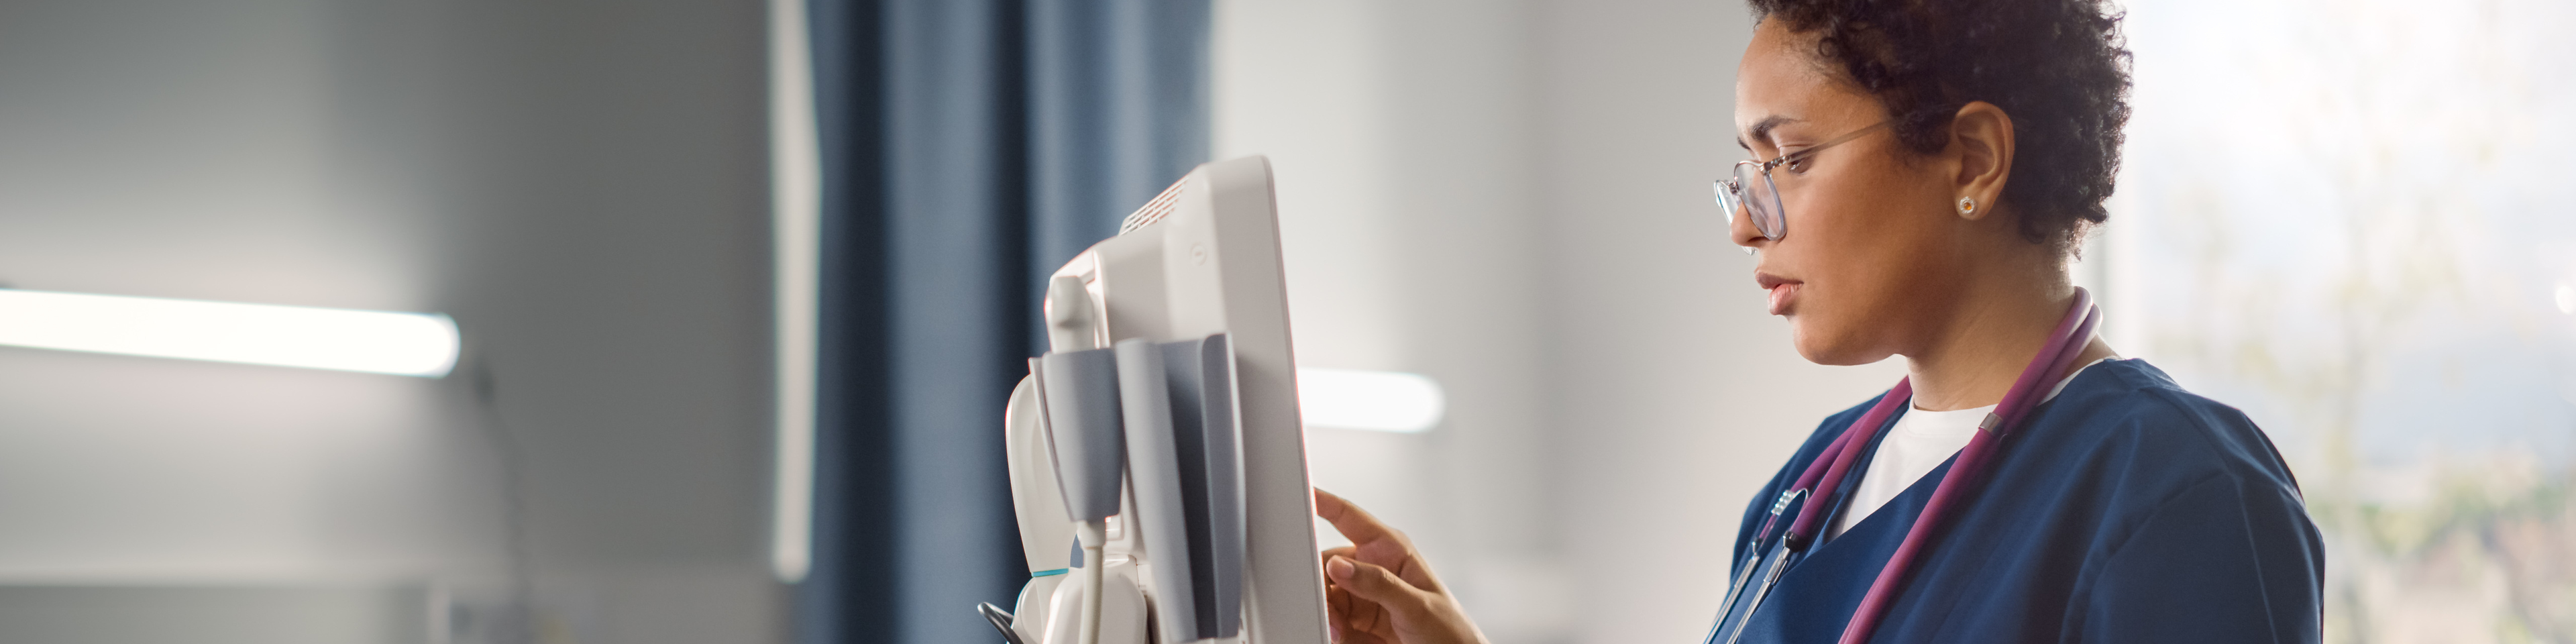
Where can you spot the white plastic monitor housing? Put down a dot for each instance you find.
(1202, 259)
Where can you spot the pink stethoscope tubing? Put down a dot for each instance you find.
(1826, 473)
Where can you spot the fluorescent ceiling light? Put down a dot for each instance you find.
(409, 344)
(1379, 400)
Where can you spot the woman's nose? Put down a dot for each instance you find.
(1739, 228)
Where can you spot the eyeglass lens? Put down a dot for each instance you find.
(1752, 192)
(1727, 200)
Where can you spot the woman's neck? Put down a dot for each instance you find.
(1974, 356)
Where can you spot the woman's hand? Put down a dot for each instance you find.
(1378, 589)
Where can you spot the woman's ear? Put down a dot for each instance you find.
(1981, 142)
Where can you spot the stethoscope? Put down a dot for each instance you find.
(1771, 557)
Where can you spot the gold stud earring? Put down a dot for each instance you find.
(1967, 205)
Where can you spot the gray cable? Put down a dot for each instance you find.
(519, 620)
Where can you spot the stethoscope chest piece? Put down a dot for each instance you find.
(1769, 557)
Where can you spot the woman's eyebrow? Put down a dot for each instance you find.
(1768, 125)
(1762, 130)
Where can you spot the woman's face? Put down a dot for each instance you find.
(1871, 239)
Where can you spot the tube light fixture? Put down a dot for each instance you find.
(408, 344)
(1379, 400)
(796, 252)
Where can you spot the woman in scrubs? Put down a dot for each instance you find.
(1923, 172)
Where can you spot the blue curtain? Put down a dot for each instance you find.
(969, 148)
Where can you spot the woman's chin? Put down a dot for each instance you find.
(1830, 349)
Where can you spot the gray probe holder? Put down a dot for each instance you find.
(1172, 409)
(1079, 390)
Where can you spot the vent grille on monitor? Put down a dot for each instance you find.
(1154, 210)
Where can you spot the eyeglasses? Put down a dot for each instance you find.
(1752, 191)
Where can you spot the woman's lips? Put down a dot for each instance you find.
(1783, 290)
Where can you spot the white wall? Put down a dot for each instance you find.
(1513, 198)
(580, 183)
(1679, 396)
(1399, 133)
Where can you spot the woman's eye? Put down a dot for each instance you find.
(1792, 159)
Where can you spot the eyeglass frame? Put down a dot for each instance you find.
(1733, 185)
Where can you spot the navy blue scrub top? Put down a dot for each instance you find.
(2127, 510)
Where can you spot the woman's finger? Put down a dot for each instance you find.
(1377, 585)
(1338, 551)
(1354, 524)
(1338, 602)
(1356, 614)
(1373, 542)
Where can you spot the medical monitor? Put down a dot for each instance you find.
(1195, 272)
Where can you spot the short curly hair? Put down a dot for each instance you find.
(2059, 68)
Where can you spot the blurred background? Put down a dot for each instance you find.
(741, 286)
